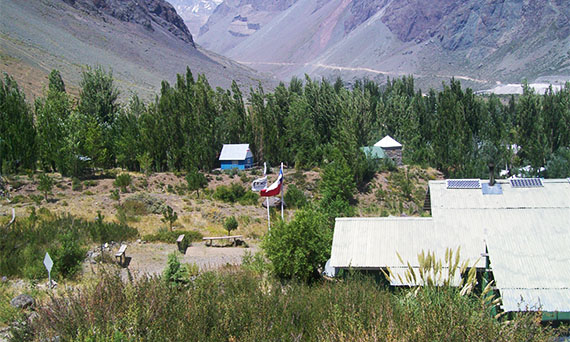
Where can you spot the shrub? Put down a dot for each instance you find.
(230, 224)
(295, 198)
(196, 180)
(37, 199)
(174, 271)
(298, 248)
(229, 194)
(76, 184)
(67, 256)
(249, 198)
(151, 204)
(123, 181)
(169, 216)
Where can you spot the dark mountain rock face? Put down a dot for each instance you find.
(144, 12)
(462, 24)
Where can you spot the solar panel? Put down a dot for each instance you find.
(464, 184)
(526, 182)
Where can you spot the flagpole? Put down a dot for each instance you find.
(282, 187)
(267, 200)
(268, 216)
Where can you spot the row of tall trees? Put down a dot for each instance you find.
(304, 124)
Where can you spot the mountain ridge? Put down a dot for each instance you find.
(39, 36)
(484, 42)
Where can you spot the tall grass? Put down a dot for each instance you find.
(238, 305)
(24, 244)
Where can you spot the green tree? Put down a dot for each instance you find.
(52, 113)
(45, 185)
(230, 224)
(169, 216)
(123, 181)
(17, 130)
(298, 248)
(98, 108)
(175, 272)
(195, 180)
(337, 179)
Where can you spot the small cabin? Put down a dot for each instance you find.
(236, 156)
(392, 149)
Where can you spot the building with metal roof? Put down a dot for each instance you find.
(387, 147)
(388, 142)
(523, 227)
(236, 156)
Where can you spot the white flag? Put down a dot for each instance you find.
(259, 184)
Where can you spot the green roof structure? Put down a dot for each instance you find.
(373, 152)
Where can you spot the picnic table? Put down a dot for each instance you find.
(234, 238)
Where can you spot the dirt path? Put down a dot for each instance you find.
(151, 258)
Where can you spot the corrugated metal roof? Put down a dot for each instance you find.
(388, 142)
(527, 232)
(372, 243)
(554, 194)
(531, 260)
(235, 152)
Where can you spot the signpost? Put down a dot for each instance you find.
(48, 264)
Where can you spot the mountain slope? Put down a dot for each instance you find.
(233, 21)
(195, 12)
(143, 42)
(481, 42)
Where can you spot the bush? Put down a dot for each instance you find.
(151, 204)
(123, 181)
(295, 198)
(67, 256)
(76, 184)
(298, 248)
(249, 198)
(230, 224)
(174, 271)
(229, 194)
(45, 185)
(196, 180)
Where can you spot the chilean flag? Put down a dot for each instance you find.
(275, 188)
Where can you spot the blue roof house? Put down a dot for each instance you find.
(236, 156)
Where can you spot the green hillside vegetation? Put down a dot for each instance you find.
(240, 305)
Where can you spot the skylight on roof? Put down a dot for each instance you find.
(464, 184)
(526, 182)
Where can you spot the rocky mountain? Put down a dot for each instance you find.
(142, 41)
(195, 12)
(482, 42)
(235, 20)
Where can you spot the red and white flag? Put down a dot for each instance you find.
(275, 188)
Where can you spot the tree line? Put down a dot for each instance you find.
(304, 124)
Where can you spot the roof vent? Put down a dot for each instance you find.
(526, 182)
(464, 184)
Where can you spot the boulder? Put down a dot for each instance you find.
(22, 301)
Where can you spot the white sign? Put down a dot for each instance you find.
(48, 262)
(259, 184)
